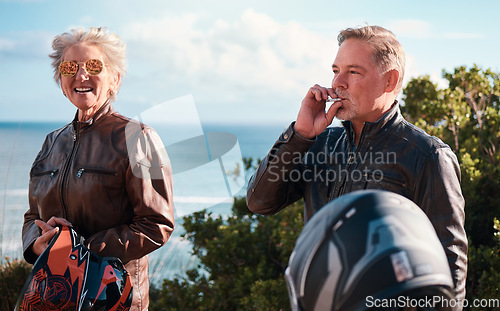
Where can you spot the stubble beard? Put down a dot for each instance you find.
(347, 111)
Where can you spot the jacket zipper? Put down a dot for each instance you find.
(342, 185)
(66, 169)
(352, 155)
(82, 170)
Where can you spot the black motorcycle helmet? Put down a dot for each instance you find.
(368, 250)
(68, 276)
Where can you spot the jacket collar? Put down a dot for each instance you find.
(370, 129)
(106, 108)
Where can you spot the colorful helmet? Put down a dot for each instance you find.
(368, 249)
(68, 276)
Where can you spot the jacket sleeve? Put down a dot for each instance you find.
(439, 194)
(276, 184)
(149, 189)
(30, 231)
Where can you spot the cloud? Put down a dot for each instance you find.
(25, 45)
(6, 44)
(22, 1)
(463, 35)
(421, 29)
(411, 28)
(254, 56)
(411, 69)
(437, 77)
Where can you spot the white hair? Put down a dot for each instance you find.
(109, 43)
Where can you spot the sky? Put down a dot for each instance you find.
(240, 61)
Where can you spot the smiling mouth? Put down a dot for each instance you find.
(83, 89)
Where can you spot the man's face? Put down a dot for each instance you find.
(358, 81)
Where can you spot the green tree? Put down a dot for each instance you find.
(243, 259)
(244, 255)
(466, 116)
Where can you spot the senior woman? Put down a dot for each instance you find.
(104, 174)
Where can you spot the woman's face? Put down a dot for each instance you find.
(88, 92)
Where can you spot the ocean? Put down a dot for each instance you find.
(207, 173)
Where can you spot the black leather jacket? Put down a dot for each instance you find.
(392, 154)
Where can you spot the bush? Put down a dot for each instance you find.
(243, 258)
(13, 275)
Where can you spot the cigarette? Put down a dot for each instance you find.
(332, 100)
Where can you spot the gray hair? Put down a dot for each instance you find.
(388, 53)
(109, 43)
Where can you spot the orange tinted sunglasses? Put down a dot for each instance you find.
(70, 68)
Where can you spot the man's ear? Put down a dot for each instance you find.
(392, 78)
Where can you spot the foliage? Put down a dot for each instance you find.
(13, 275)
(466, 116)
(243, 256)
(243, 260)
(484, 270)
(484, 273)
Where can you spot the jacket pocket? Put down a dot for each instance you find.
(95, 171)
(378, 180)
(43, 189)
(50, 173)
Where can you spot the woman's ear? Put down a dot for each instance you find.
(115, 83)
(118, 80)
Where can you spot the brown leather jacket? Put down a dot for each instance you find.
(111, 178)
(392, 155)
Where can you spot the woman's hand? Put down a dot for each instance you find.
(49, 230)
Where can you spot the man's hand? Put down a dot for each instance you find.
(312, 119)
(49, 230)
